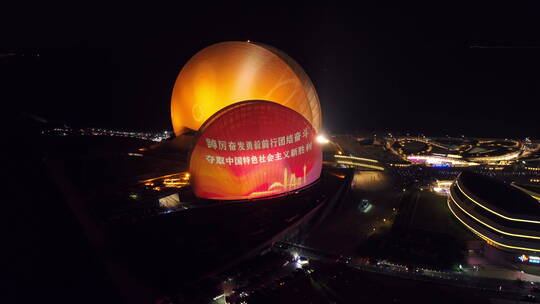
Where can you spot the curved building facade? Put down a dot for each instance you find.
(503, 216)
(254, 149)
(230, 72)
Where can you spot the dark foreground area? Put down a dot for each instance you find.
(337, 282)
(61, 251)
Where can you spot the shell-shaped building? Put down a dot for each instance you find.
(256, 116)
(254, 149)
(229, 72)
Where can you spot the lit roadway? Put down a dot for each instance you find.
(469, 279)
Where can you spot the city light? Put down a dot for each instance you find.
(530, 259)
(356, 158)
(67, 131)
(360, 165)
(465, 153)
(322, 140)
(175, 180)
(439, 160)
(441, 187)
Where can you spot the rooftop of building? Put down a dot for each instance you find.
(498, 194)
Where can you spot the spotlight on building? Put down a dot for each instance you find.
(322, 139)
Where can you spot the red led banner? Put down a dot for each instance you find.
(254, 149)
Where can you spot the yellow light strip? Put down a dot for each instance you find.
(498, 230)
(164, 176)
(494, 212)
(485, 237)
(507, 156)
(526, 191)
(360, 165)
(358, 158)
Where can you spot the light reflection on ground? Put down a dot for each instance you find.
(370, 181)
(348, 227)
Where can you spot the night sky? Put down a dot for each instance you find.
(436, 70)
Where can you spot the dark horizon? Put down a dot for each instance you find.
(471, 71)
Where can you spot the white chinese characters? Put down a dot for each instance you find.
(260, 158)
(253, 145)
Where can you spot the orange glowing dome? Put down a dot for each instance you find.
(229, 72)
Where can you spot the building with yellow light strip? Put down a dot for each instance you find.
(503, 216)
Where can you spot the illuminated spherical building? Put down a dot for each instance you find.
(256, 116)
(254, 149)
(229, 72)
(502, 215)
